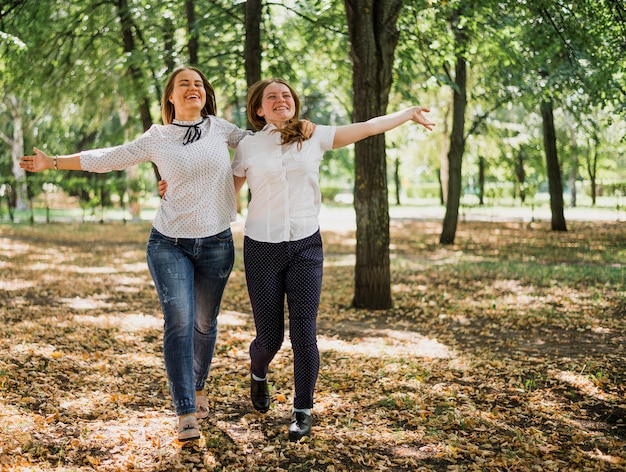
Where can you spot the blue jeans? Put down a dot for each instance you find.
(190, 276)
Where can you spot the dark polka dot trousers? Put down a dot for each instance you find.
(273, 271)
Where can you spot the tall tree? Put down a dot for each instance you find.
(448, 36)
(571, 53)
(373, 39)
(17, 79)
(12, 108)
(552, 164)
(457, 136)
(252, 48)
(129, 29)
(192, 32)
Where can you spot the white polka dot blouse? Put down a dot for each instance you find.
(200, 199)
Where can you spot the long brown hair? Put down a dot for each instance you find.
(291, 132)
(168, 112)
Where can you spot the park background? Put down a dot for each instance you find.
(491, 338)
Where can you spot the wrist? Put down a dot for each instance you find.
(53, 162)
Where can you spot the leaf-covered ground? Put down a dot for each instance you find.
(503, 352)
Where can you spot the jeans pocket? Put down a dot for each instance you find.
(225, 236)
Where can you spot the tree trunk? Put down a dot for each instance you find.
(192, 32)
(252, 52)
(520, 175)
(592, 166)
(126, 24)
(481, 180)
(443, 160)
(16, 143)
(573, 173)
(169, 32)
(373, 39)
(554, 170)
(396, 177)
(455, 154)
(252, 47)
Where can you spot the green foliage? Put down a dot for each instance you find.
(67, 73)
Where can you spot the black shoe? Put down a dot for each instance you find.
(260, 395)
(300, 426)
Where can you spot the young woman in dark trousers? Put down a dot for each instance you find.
(282, 245)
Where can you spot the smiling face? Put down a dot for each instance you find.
(278, 105)
(188, 95)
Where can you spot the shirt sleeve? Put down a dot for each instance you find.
(325, 135)
(234, 134)
(238, 167)
(120, 157)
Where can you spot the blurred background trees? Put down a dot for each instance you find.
(529, 97)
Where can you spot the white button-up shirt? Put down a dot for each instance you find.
(284, 183)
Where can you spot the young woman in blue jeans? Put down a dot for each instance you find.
(190, 251)
(283, 254)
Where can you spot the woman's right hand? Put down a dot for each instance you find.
(37, 163)
(162, 188)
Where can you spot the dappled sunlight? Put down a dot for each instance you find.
(16, 284)
(408, 288)
(387, 342)
(234, 318)
(585, 385)
(127, 289)
(88, 270)
(421, 453)
(16, 426)
(128, 322)
(89, 404)
(446, 257)
(584, 427)
(242, 429)
(95, 302)
(151, 428)
(126, 440)
(335, 261)
(12, 248)
(598, 455)
(35, 349)
(528, 302)
(138, 267)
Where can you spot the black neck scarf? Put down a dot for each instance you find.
(193, 132)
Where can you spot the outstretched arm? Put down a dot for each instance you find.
(40, 161)
(348, 134)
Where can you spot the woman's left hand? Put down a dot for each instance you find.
(419, 118)
(307, 128)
